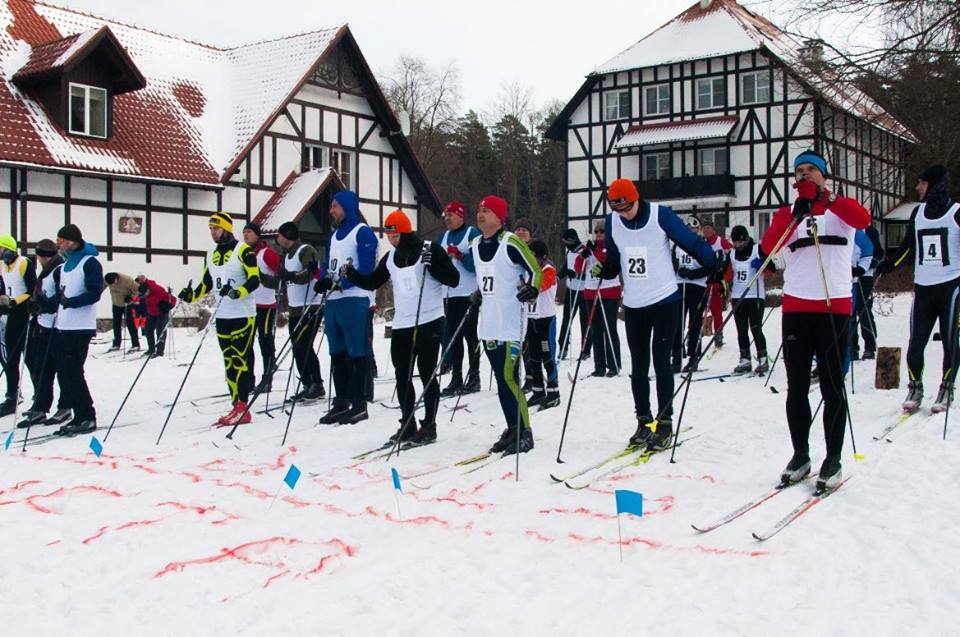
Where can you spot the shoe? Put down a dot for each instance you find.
(830, 475)
(156, 355)
(691, 366)
(76, 427)
(536, 398)
(8, 407)
(409, 433)
(718, 341)
(472, 385)
(796, 470)
(552, 399)
(265, 385)
(944, 398)
(870, 354)
(147, 354)
(32, 417)
(313, 392)
(113, 348)
(661, 438)
(60, 417)
(643, 433)
(676, 367)
(525, 444)
(506, 439)
(611, 373)
(743, 367)
(355, 415)
(426, 434)
(133, 350)
(337, 411)
(584, 355)
(239, 415)
(599, 373)
(762, 365)
(456, 383)
(914, 396)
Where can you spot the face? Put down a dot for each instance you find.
(524, 234)
(394, 239)
(250, 237)
(922, 188)
(488, 222)
(708, 232)
(738, 244)
(452, 220)
(283, 242)
(599, 233)
(809, 172)
(336, 212)
(65, 245)
(628, 212)
(216, 233)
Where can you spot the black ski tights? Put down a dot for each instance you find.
(427, 351)
(933, 304)
(657, 323)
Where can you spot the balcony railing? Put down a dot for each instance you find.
(681, 187)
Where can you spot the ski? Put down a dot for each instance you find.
(366, 454)
(886, 431)
(194, 401)
(813, 499)
(749, 506)
(626, 451)
(464, 407)
(384, 403)
(719, 377)
(637, 459)
(458, 463)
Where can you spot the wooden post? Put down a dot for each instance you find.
(888, 368)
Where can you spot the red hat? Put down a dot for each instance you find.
(457, 208)
(622, 193)
(397, 222)
(497, 205)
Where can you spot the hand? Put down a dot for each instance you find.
(596, 270)
(347, 271)
(165, 306)
(886, 266)
(527, 293)
(476, 298)
(807, 190)
(801, 208)
(322, 286)
(685, 273)
(66, 302)
(454, 252)
(128, 299)
(586, 251)
(755, 263)
(6, 302)
(858, 271)
(426, 257)
(33, 307)
(225, 290)
(286, 275)
(186, 295)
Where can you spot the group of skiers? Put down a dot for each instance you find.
(486, 288)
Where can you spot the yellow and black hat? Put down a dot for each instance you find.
(221, 220)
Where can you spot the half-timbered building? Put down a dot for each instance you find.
(707, 113)
(137, 136)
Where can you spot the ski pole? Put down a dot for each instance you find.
(319, 316)
(955, 342)
(775, 359)
(456, 406)
(609, 339)
(521, 398)
(25, 345)
(43, 370)
(573, 313)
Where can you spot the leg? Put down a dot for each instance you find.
(455, 311)
(696, 306)
(14, 336)
(867, 324)
(353, 324)
(799, 342)
(922, 317)
(663, 326)
(149, 331)
(469, 332)
(598, 338)
(565, 324)
(401, 353)
(47, 370)
(947, 317)
(71, 359)
(716, 306)
(585, 309)
(831, 341)
(741, 317)
(611, 309)
(235, 337)
(161, 327)
(756, 328)
(429, 340)
(533, 358)
(132, 327)
(118, 312)
(548, 347)
(638, 341)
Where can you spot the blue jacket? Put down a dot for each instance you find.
(92, 275)
(456, 236)
(366, 239)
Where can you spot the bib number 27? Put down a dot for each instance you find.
(486, 284)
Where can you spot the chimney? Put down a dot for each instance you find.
(812, 51)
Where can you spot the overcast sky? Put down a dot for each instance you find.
(546, 45)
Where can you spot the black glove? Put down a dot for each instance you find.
(587, 250)
(686, 273)
(165, 307)
(886, 266)
(186, 295)
(426, 257)
(527, 293)
(802, 208)
(286, 275)
(476, 299)
(312, 267)
(67, 302)
(128, 299)
(322, 286)
(858, 271)
(33, 307)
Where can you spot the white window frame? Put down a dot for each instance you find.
(662, 161)
(761, 80)
(336, 155)
(323, 152)
(87, 90)
(714, 82)
(714, 153)
(618, 104)
(659, 99)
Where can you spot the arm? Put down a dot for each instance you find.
(687, 239)
(611, 258)
(29, 272)
(442, 268)
(851, 212)
(249, 260)
(371, 280)
(309, 263)
(866, 250)
(549, 278)
(272, 259)
(520, 254)
(467, 262)
(905, 249)
(778, 226)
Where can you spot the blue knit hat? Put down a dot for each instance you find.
(811, 157)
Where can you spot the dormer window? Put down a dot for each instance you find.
(88, 110)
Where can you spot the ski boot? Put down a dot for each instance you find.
(76, 427)
(113, 348)
(454, 388)
(599, 373)
(8, 407)
(869, 354)
(337, 411)
(914, 396)
(405, 434)
(743, 367)
(426, 434)
(944, 398)
(676, 366)
(763, 367)
(313, 391)
(830, 475)
(661, 438)
(60, 417)
(536, 398)
(796, 470)
(526, 443)
(472, 385)
(355, 415)
(643, 433)
(551, 399)
(239, 415)
(133, 350)
(32, 417)
(612, 373)
(507, 439)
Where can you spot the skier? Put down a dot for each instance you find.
(523, 228)
(79, 285)
(861, 262)
(574, 292)
(541, 338)
(692, 280)
(933, 235)
(509, 279)
(123, 290)
(863, 301)
(230, 271)
(265, 296)
(456, 241)
(347, 307)
(41, 356)
(19, 276)
(716, 288)
(638, 248)
(157, 306)
(745, 262)
(819, 247)
(603, 330)
(301, 262)
(413, 265)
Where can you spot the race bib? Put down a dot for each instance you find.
(741, 275)
(636, 263)
(486, 281)
(931, 249)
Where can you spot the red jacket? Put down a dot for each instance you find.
(851, 212)
(272, 259)
(157, 294)
(589, 292)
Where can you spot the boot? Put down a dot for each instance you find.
(762, 365)
(691, 366)
(914, 396)
(944, 398)
(32, 417)
(60, 417)
(472, 385)
(265, 385)
(743, 367)
(134, 349)
(314, 391)
(77, 426)
(536, 398)
(526, 443)
(148, 354)
(355, 415)
(408, 433)
(643, 433)
(427, 433)
(662, 437)
(8, 407)
(676, 366)
(869, 354)
(611, 373)
(337, 411)
(456, 383)
(239, 415)
(830, 475)
(551, 399)
(507, 438)
(796, 470)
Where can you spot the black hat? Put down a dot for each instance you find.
(538, 248)
(255, 227)
(570, 237)
(739, 233)
(523, 222)
(144, 288)
(933, 174)
(110, 278)
(46, 248)
(70, 232)
(289, 231)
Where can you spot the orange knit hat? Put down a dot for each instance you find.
(622, 193)
(397, 222)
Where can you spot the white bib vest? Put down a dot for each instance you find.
(574, 282)
(502, 316)
(342, 252)
(743, 272)
(938, 247)
(546, 304)
(686, 260)
(406, 293)
(75, 318)
(645, 261)
(299, 294)
(13, 282)
(590, 281)
(231, 272)
(264, 295)
(801, 277)
(49, 288)
(468, 279)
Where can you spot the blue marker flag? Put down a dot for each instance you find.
(629, 502)
(6, 445)
(96, 446)
(293, 476)
(396, 479)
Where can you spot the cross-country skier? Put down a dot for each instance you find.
(19, 275)
(265, 296)
(715, 289)
(230, 272)
(413, 265)
(863, 302)
(744, 263)
(456, 241)
(604, 335)
(861, 262)
(157, 304)
(933, 236)
(638, 248)
(692, 280)
(509, 279)
(123, 290)
(541, 339)
(574, 294)
(817, 252)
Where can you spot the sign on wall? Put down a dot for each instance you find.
(130, 224)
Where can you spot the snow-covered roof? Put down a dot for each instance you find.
(686, 203)
(200, 110)
(709, 128)
(712, 28)
(294, 196)
(902, 212)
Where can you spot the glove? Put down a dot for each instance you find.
(322, 286)
(807, 191)
(186, 295)
(755, 263)
(312, 267)
(886, 266)
(348, 272)
(66, 302)
(586, 251)
(527, 293)
(426, 257)
(128, 299)
(165, 307)
(596, 270)
(286, 275)
(454, 252)
(686, 273)
(858, 271)
(33, 307)
(6, 302)
(226, 290)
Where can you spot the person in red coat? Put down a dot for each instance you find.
(715, 285)
(157, 302)
(603, 328)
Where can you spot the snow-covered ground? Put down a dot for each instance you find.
(199, 536)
